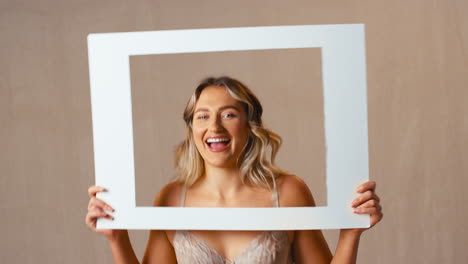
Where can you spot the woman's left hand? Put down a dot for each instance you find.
(368, 203)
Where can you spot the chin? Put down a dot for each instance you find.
(221, 163)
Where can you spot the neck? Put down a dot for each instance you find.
(221, 182)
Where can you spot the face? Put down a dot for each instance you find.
(219, 127)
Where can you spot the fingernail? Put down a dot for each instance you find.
(356, 210)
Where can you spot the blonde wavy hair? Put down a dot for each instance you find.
(257, 161)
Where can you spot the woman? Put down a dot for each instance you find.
(223, 162)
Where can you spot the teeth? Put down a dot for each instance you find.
(214, 140)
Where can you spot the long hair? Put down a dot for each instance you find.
(256, 162)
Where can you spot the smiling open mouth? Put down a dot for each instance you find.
(218, 144)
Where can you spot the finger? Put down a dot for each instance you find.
(362, 198)
(91, 222)
(92, 208)
(368, 185)
(371, 204)
(368, 204)
(376, 197)
(100, 204)
(375, 218)
(95, 214)
(370, 211)
(95, 189)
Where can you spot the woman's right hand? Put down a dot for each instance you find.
(99, 209)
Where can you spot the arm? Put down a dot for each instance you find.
(309, 246)
(159, 248)
(367, 203)
(119, 241)
(122, 249)
(347, 248)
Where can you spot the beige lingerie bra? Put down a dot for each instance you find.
(269, 247)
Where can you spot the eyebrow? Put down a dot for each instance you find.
(220, 109)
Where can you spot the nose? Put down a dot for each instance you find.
(216, 125)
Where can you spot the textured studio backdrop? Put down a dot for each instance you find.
(417, 70)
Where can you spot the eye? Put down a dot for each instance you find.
(202, 117)
(229, 115)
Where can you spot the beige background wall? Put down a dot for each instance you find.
(417, 101)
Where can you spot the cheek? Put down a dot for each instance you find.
(197, 135)
(241, 132)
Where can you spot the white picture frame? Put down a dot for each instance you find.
(345, 108)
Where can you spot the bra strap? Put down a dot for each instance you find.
(182, 196)
(274, 195)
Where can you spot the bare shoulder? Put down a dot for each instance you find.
(293, 192)
(169, 195)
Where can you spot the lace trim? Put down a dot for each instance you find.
(267, 247)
